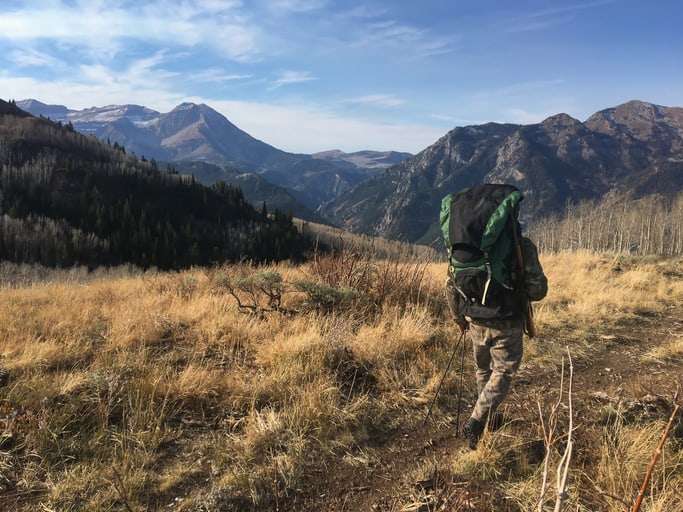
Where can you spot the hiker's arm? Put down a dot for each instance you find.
(535, 282)
(453, 299)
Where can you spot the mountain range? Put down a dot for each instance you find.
(70, 199)
(635, 147)
(198, 133)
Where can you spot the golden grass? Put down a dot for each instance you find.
(141, 389)
(670, 350)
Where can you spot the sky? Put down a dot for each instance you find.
(312, 75)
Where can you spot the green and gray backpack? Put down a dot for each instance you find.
(477, 225)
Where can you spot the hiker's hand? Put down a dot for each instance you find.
(463, 324)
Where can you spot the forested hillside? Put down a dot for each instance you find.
(197, 132)
(66, 199)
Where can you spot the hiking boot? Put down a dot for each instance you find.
(472, 431)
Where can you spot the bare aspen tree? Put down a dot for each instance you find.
(616, 223)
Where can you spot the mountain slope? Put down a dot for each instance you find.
(256, 189)
(636, 146)
(364, 159)
(67, 199)
(198, 132)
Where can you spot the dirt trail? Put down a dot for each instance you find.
(392, 484)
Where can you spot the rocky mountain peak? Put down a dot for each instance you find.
(38, 108)
(186, 105)
(637, 146)
(637, 119)
(561, 121)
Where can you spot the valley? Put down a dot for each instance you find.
(635, 147)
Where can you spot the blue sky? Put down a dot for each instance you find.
(309, 75)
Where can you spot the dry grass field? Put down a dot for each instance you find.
(158, 392)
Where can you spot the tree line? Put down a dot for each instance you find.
(617, 223)
(69, 199)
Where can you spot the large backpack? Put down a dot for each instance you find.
(477, 225)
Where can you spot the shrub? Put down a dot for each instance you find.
(256, 292)
(325, 298)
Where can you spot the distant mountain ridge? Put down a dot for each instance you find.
(256, 189)
(365, 159)
(192, 132)
(70, 199)
(636, 146)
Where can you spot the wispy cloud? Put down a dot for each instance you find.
(297, 5)
(217, 75)
(289, 77)
(102, 27)
(546, 18)
(452, 120)
(378, 100)
(318, 128)
(410, 40)
(143, 81)
(27, 57)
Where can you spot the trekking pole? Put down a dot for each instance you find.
(462, 373)
(448, 367)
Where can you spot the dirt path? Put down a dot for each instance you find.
(397, 481)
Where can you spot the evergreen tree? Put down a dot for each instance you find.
(70, 199)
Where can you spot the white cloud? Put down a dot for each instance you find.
(405, 39)
(550, 17)
(217, 5)
(217, 75)
(378, 100)
(292, 77)
(318, 129)
(297, 5)
(27, 57)
(293, 127)
(141, 82)
(101, 26)
(451, 119)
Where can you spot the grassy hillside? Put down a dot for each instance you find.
(157, 392)
(340, 240)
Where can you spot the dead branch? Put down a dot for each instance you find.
(655, 456)
(565, 461)
(549, 438)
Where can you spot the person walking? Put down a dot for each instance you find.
(493, 275)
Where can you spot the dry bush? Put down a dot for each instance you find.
(382, 282)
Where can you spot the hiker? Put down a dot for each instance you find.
(488, 291)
